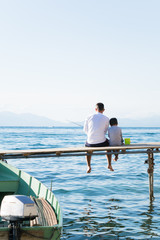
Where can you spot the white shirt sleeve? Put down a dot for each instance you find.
(85, 128)
(107, 125)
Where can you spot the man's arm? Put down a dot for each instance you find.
(85, 128)
(106, 125)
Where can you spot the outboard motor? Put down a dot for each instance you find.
(16, 209)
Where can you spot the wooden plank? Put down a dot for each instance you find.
(59, 151)
(81, 149)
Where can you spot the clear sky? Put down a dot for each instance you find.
(58, 58)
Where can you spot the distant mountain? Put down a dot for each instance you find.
(26, 119)
(153, 121)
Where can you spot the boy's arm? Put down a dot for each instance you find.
(122, 138)
(108, 133)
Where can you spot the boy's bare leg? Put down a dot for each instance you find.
(109, 159)
(88, 158)
(116, 157)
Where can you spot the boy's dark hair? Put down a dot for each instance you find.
(100, 106)
(113, 121)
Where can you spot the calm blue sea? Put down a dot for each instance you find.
(100, 205)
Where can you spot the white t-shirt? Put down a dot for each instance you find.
(96, 127)
(115, 136)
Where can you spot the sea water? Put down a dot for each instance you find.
(100, 205)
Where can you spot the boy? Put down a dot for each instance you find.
(115, 135)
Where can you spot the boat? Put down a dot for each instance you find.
(46, 224)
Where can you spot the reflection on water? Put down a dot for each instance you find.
(99, 226)
(113, 224)
(149, 219)
(93, 225)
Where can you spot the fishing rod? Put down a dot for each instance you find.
(80, 125)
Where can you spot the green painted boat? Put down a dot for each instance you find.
(48, 223)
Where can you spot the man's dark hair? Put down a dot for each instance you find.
(113, 121)
(100, 106)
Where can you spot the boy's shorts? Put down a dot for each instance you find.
(103, 144)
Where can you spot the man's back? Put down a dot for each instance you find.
(96, 127)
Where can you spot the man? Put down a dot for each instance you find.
(96, 127)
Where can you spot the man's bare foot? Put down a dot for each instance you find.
(110, 168)
(88, 169)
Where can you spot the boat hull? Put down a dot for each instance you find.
(27, 233)
(49, 222)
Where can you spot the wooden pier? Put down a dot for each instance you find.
(142, 148)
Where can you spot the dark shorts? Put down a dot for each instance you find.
(103, 144)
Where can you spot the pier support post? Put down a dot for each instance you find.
(150, 173)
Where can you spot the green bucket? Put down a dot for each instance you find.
(127, 141)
